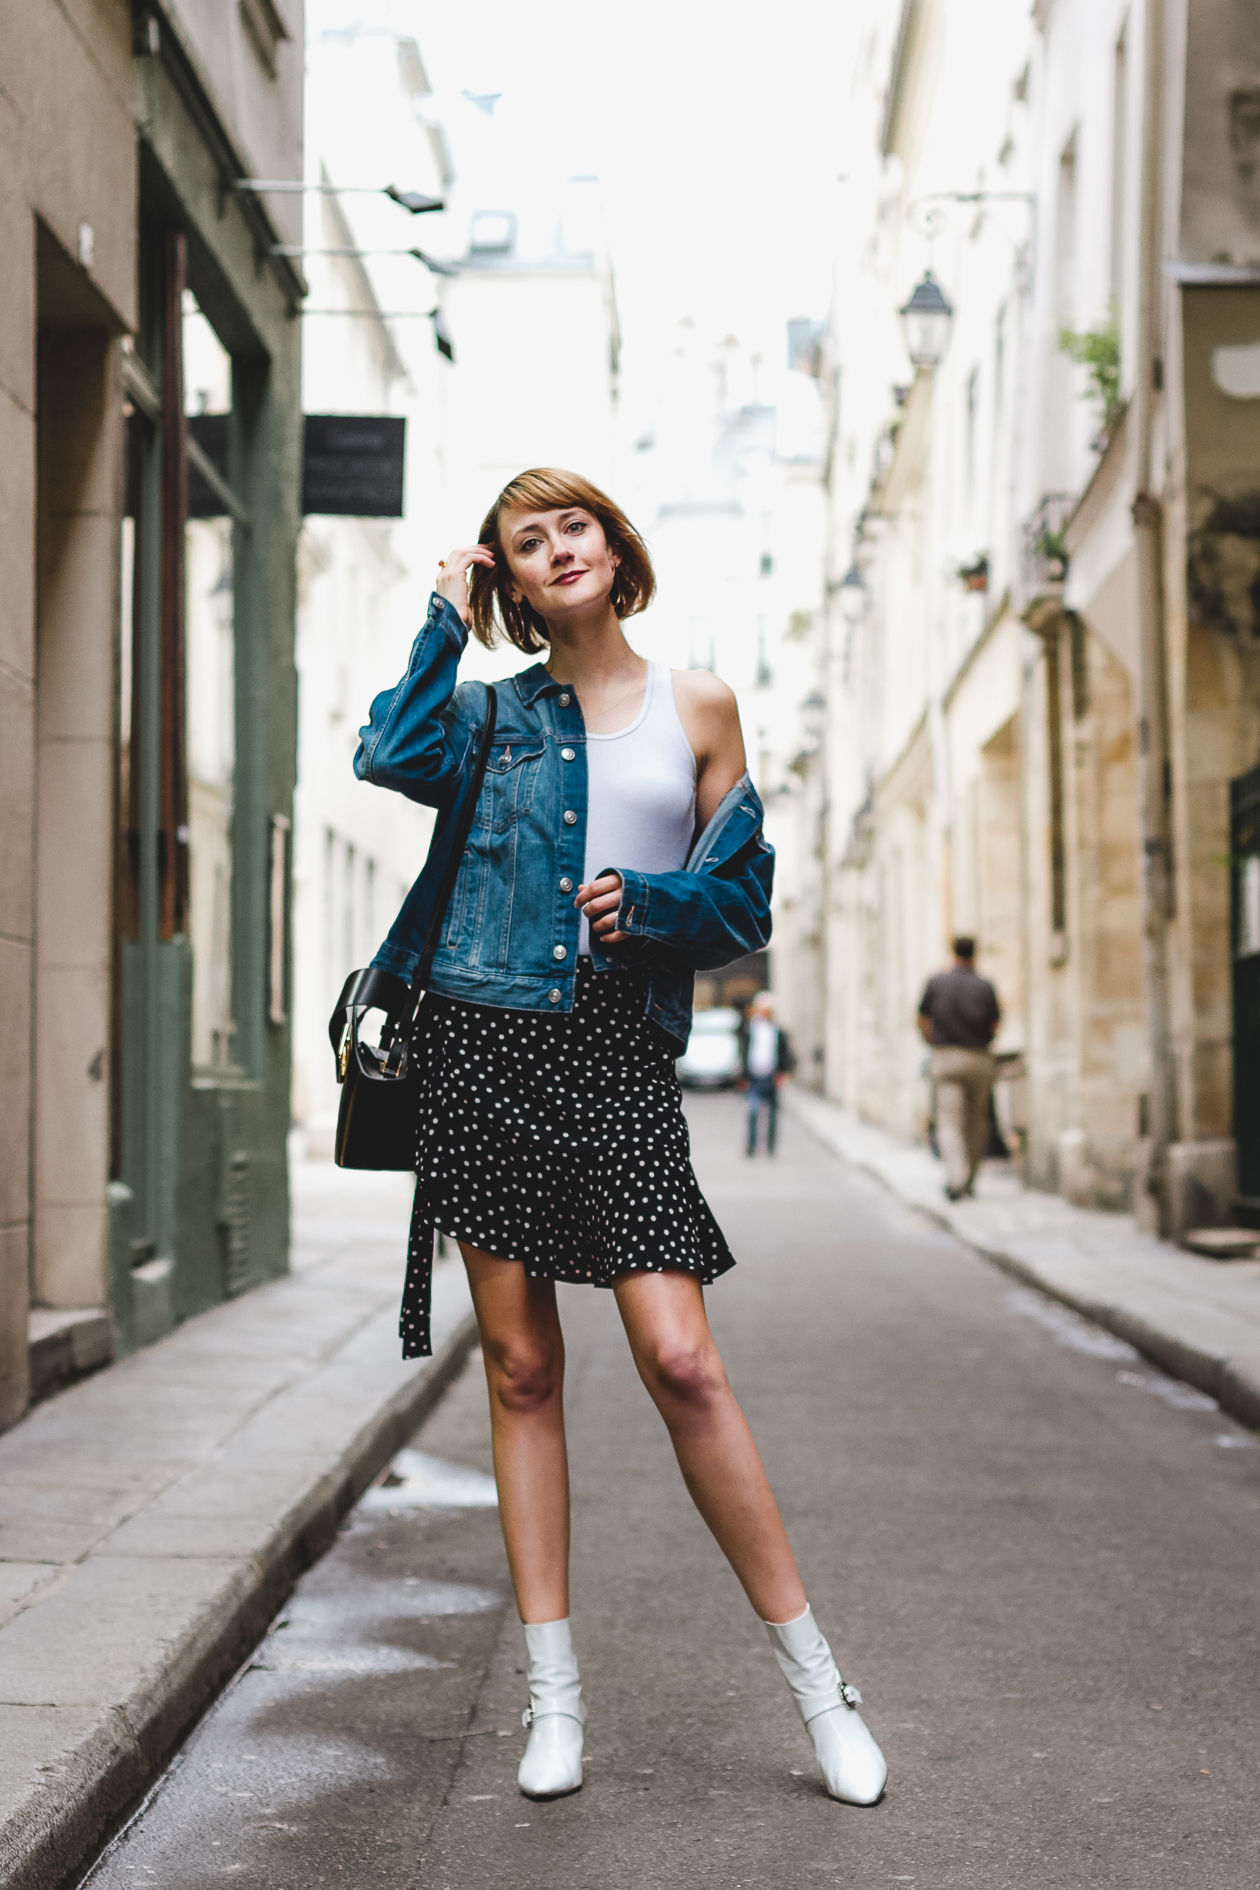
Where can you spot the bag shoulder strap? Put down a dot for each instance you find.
(459, 840)
(373, 988)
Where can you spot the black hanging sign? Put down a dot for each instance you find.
(352, 465)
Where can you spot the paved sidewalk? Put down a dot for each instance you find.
(1198, 1319)
(153, 1517)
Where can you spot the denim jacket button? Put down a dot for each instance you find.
(553, 996)
(566, 885)
(570, 818)
(565, 700)
(568, 754)
(559, 951)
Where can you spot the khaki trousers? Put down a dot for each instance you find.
(964, 1083)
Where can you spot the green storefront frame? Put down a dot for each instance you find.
(200, 1205)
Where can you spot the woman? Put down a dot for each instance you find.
(616, 848)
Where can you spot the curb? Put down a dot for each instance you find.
(45, 1845)
(1233, 1381)
(1231, 1376)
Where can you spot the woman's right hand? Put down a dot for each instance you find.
(452, 578)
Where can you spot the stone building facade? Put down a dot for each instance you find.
(1039, 648)
(148, 630)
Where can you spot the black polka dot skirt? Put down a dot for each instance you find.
(555, 1140)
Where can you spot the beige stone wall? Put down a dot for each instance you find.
(67, 162)
(998, 930)
(983, 825)
(967, 845)
(1220, 206)
(1087, 1017)
(898, 925)
(248, 57)
(1106, 927)
(1051, 1086)
(1220, 738)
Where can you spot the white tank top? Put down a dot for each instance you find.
(640, 791)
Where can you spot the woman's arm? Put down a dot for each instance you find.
(407, 742)
(710, 717)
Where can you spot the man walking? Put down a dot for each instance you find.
(765, 1058)
(959, 1016)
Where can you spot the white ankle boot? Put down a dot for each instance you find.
(852, 1764)
(552, 1764)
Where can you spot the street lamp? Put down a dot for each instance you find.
(927, 317)
(814, 718)
(852, 591)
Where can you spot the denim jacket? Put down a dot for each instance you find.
(510, 936)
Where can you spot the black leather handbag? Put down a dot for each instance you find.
(380, 1083)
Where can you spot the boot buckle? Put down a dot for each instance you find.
(850, 1694)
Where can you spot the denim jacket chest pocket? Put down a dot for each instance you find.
(511, 782)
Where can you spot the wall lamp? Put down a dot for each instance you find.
(927, 318)
(413, 200)
(852, 594)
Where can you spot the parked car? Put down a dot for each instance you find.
(711, 1059)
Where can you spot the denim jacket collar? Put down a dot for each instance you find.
(534, 682)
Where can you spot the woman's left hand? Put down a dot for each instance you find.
(599, 901)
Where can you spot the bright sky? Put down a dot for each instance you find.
(716, 130)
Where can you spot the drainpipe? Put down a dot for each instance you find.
(1153, 757)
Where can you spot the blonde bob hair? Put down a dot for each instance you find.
(546, 488)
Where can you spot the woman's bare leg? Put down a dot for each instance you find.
(524, 1356)
(678, 1361)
